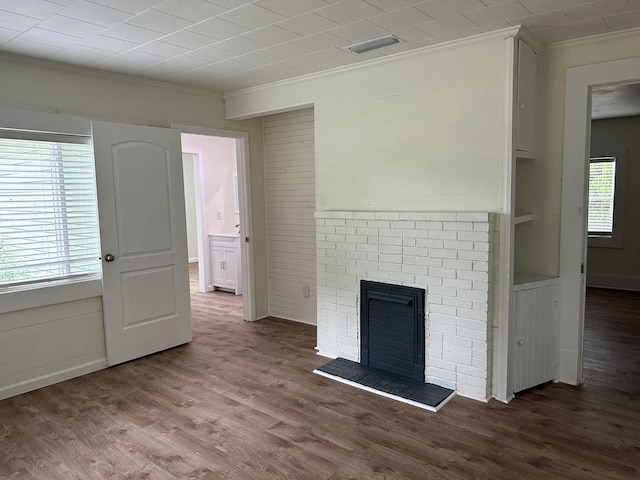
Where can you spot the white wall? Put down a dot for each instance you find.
(419, 132)
(46, 87)
(218, 159)
(619, 267)
(291, 228)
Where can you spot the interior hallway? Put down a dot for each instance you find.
(240, 402)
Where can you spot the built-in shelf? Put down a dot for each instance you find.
(522, 217)
(525, 155)
(523, 281)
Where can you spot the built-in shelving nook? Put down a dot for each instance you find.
(526, 319)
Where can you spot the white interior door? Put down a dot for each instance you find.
(144, 241)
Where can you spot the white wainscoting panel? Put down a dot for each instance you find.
(45, 345)
(291, 229)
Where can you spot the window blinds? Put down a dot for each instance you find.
(602, 176)
(48, 211)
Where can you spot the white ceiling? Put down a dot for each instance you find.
(615, 101)
(231, 44)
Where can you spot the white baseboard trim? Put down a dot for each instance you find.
(306, 322)
(50, 379)
(618, 282)
(193, 260)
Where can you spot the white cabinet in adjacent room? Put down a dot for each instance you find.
(225, 262)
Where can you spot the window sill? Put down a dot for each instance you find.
(596, 241)
(43, 294)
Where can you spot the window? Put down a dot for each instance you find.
(605, 202)
(48, 211)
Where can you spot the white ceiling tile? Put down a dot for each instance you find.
(483, 29)
(540, 6)
(48, 37)
(572, 30)
(212, 54)
(390, 5)
(412, 35)
(239, 45)
(107, 44)
(623, 20)
(362, 30)
(319, 41)
(599, 9)
(13, 21)
(40, 9)
(307, 24)
(257, 59)
(230, 66)
(333, 57)
(287, 50)
(252, 16)
(301, 64)
(542, 20)
(137, 57)
(446, 8)
(62, 2)
(229, 4)
(404, 17)
(218, 29)
(162, 49)
(292, 9)
(35, 49)
(129, 6)
(159, 21)
(271, 35)
(349, 11)
(80, 53)
(94, 13)
(497, 13)
(131, 33)
(176, 65)
(6, 35)
(194, 10)
(70, 26)
(187, 39)
(457, 23)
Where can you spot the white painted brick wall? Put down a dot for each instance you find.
(447, 253)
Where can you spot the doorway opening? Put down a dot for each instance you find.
(612, 300)
(218, 213)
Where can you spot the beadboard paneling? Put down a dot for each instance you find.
(290, 196)
(44, 345)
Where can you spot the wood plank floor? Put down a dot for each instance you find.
(240, 402)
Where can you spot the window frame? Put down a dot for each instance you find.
(31, 125)
(615, 240)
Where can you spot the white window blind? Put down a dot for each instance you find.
(602, 184)
(48, 211)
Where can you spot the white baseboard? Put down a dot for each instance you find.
(618, 282)
(193, 260)
(50, 379)
(297, 320)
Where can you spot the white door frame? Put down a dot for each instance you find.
(246, 217)
(573, 236)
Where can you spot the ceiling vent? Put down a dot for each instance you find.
(374, 44)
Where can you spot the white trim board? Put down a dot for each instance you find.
(385, 394)
(573, 235)
(52, 378)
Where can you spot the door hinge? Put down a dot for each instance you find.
(246, 239)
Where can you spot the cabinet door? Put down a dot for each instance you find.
(536, 327)
(217, 259)
(231, 265)
(525, 97)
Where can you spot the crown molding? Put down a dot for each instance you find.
(587, 41)
(501, 34)
(102, 74)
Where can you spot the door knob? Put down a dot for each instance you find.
(109, 257)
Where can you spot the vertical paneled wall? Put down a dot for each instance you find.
(290, 203)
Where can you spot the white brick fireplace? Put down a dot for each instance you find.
(447, 254)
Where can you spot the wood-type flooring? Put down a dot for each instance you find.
(240, 402)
